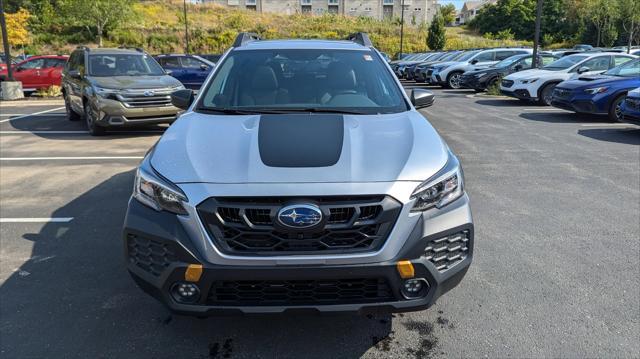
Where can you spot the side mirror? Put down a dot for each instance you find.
(583, 69)
(74, 74)
(518, 67)
(474, 61)
(168, 72)
(422, 98)
(19, 69)
(182, 98)
(204, 67)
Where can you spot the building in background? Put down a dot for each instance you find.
(416, 11)
(470, 9)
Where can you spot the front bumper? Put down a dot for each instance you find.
(522, 94)
(158, 251)
(115, 113)
(631, 114)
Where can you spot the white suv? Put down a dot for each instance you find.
(538, 84)
(448, 74)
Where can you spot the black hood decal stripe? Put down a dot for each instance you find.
(300, 140)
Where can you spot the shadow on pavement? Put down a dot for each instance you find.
(42, 124)
(629, 136)
(504, 102)
(74, 298)
(562, 117)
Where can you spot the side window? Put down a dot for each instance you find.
(169, 61)
(619, 60)
(600, 63)
(79, 63)
(49, 63)
(485, 56)
(526, 62)
(546, 60)
(191, 63)
(501, 55)
(33, 64)
(71, 63)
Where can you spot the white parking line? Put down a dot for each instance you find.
(26, 114)
(32, 114)
(37, 220)
(71, 158)
(26, 132)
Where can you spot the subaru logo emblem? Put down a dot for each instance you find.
(300, 216)
(149, 93)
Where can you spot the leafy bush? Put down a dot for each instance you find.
(51, 91)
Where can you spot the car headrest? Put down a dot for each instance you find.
(264, 79)
(341, 76)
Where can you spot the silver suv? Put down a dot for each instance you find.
(301, 177)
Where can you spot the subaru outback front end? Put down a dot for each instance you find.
(300, 178)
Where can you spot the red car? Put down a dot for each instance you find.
(37, 71)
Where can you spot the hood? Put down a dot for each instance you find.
(135, 82)
(486, 70)
(300, 148)
(592, 81)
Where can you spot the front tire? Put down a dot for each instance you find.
(91, 118)
(546, 94)
(71, 114)
(615, 110)
(453, 80)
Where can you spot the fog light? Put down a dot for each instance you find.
(185, 292)
(415, 288)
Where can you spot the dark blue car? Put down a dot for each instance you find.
(601, 94)
(631, 107)
(191, 70)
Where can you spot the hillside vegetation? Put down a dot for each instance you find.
(158, 26)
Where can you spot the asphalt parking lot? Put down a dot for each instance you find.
(556, 272)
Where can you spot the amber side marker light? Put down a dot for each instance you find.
(193, 273)
(405, 269)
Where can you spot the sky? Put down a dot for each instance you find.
(457, 3)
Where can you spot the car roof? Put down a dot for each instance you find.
(301, 44)
(106, 51)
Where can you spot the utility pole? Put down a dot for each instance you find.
(536, 36)
(186, 26)
(401, 27)
(5, 41)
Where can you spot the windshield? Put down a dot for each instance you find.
(123, 65)
(509, 60)
(628, 69)
(303, 80)
(565, 62)
(467, 55)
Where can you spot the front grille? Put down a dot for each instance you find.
(561, 93)
(445, 252)
(248, 226)
(507, 83)
(632, 103)
(145, 98)
(148, 254)
(299, 292)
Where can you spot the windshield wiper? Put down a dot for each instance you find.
(228, 111)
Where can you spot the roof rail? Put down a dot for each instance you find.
(360, 38)
(82, 47)
(245, 37)
(139, 49)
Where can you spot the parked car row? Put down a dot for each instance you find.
(586, 81)
(37, 72)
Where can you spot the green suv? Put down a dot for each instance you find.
(116, 88)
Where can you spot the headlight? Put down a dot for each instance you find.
(105, 92)
(596, 90)
(444, 188)
(528, 81)
(157, 193)
(178, 87)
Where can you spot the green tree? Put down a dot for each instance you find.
(437, 39)
(98, 14)
(603, 15)
(448, 13)
(630, 19)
